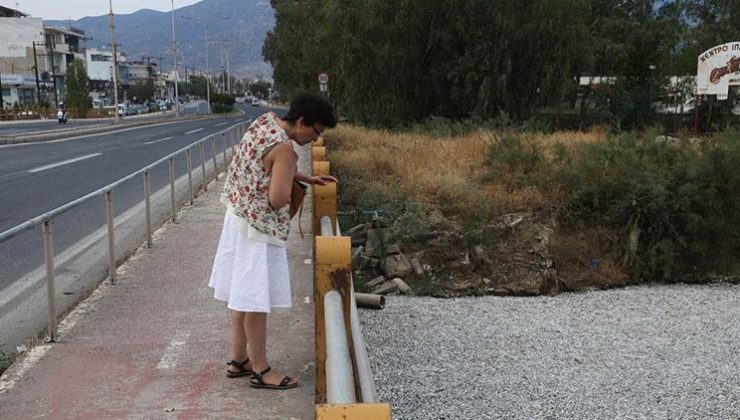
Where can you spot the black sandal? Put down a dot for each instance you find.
(257, 382)
(243, 370)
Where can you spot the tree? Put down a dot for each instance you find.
(395, 63)
(77, 86)
(197, 86)
(142, 92)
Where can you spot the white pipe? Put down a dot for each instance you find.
(340, 383)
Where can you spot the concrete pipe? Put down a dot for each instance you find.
(369, 300)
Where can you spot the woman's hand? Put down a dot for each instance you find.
(322, 179)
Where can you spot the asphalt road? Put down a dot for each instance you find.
(38, 177)
(34, 126)
(39, 126)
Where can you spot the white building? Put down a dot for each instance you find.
(100, 71)
(61, 48)
(18, 33)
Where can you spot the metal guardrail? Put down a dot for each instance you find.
(345, 388)
(231, 134)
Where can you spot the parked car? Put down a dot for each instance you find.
(240, 99)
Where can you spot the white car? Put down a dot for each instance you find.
(240, 99)
(255, 102)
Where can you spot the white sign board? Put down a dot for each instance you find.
(717, 69)
(323, 78)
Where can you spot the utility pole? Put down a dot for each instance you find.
(228, 75)
(2, 101)
(50, 43)
(36, 70)
(174, 60)
(116, 117)
(148, 67)
(208, 82)
(208, 69)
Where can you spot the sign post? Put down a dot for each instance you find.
(717, 69)
(324, 83)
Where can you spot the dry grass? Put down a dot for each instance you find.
(442, 172)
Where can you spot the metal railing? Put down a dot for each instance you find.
(231, 134)
(345, 387)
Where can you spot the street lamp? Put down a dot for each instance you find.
(208, 82)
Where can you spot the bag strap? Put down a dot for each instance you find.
(300, 213)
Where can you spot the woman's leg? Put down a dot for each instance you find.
(256, 325)
(238, 339)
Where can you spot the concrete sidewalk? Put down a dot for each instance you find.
(154, 345)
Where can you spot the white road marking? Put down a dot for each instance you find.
(307, 299)
(223, 123)
(194, 131)
(307, 261)
(174, 350)
(66, 162)
(157, 141)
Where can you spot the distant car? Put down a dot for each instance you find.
(255, 102)
(240, 99)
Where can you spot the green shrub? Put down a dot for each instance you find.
(516, 159)
(682, 198)
(222, 102)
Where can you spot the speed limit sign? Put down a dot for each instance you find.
(324, 78)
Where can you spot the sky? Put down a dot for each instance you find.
(75, 9)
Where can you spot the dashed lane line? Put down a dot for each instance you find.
(158, 140)
(66, 162)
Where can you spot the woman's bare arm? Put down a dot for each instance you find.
(283, 161)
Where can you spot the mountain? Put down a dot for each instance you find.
(148, 33)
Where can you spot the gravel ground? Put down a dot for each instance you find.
(652, 352)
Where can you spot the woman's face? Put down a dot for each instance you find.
(305, 133)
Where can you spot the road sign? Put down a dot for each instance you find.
(324, 78)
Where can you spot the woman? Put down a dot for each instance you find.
(250, 271)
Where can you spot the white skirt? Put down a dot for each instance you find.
(249, 275)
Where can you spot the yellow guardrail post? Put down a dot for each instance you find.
(324, 204)
(318, 153)
(320, 167)
(332, 271)
(353, 411)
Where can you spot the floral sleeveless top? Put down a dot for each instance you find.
(247, 185)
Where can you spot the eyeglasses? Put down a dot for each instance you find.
(317, 131)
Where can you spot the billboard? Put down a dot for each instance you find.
(717, 69)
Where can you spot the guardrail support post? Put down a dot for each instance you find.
(189, 156)
(318, 153)
(320, 167)
(172, 190)
(353, 411)
(226, 146)
(148, 205)
(203, 166)
(50, 288)
(324, 204)
(111, 237)
(332, 270)
(215, 167)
